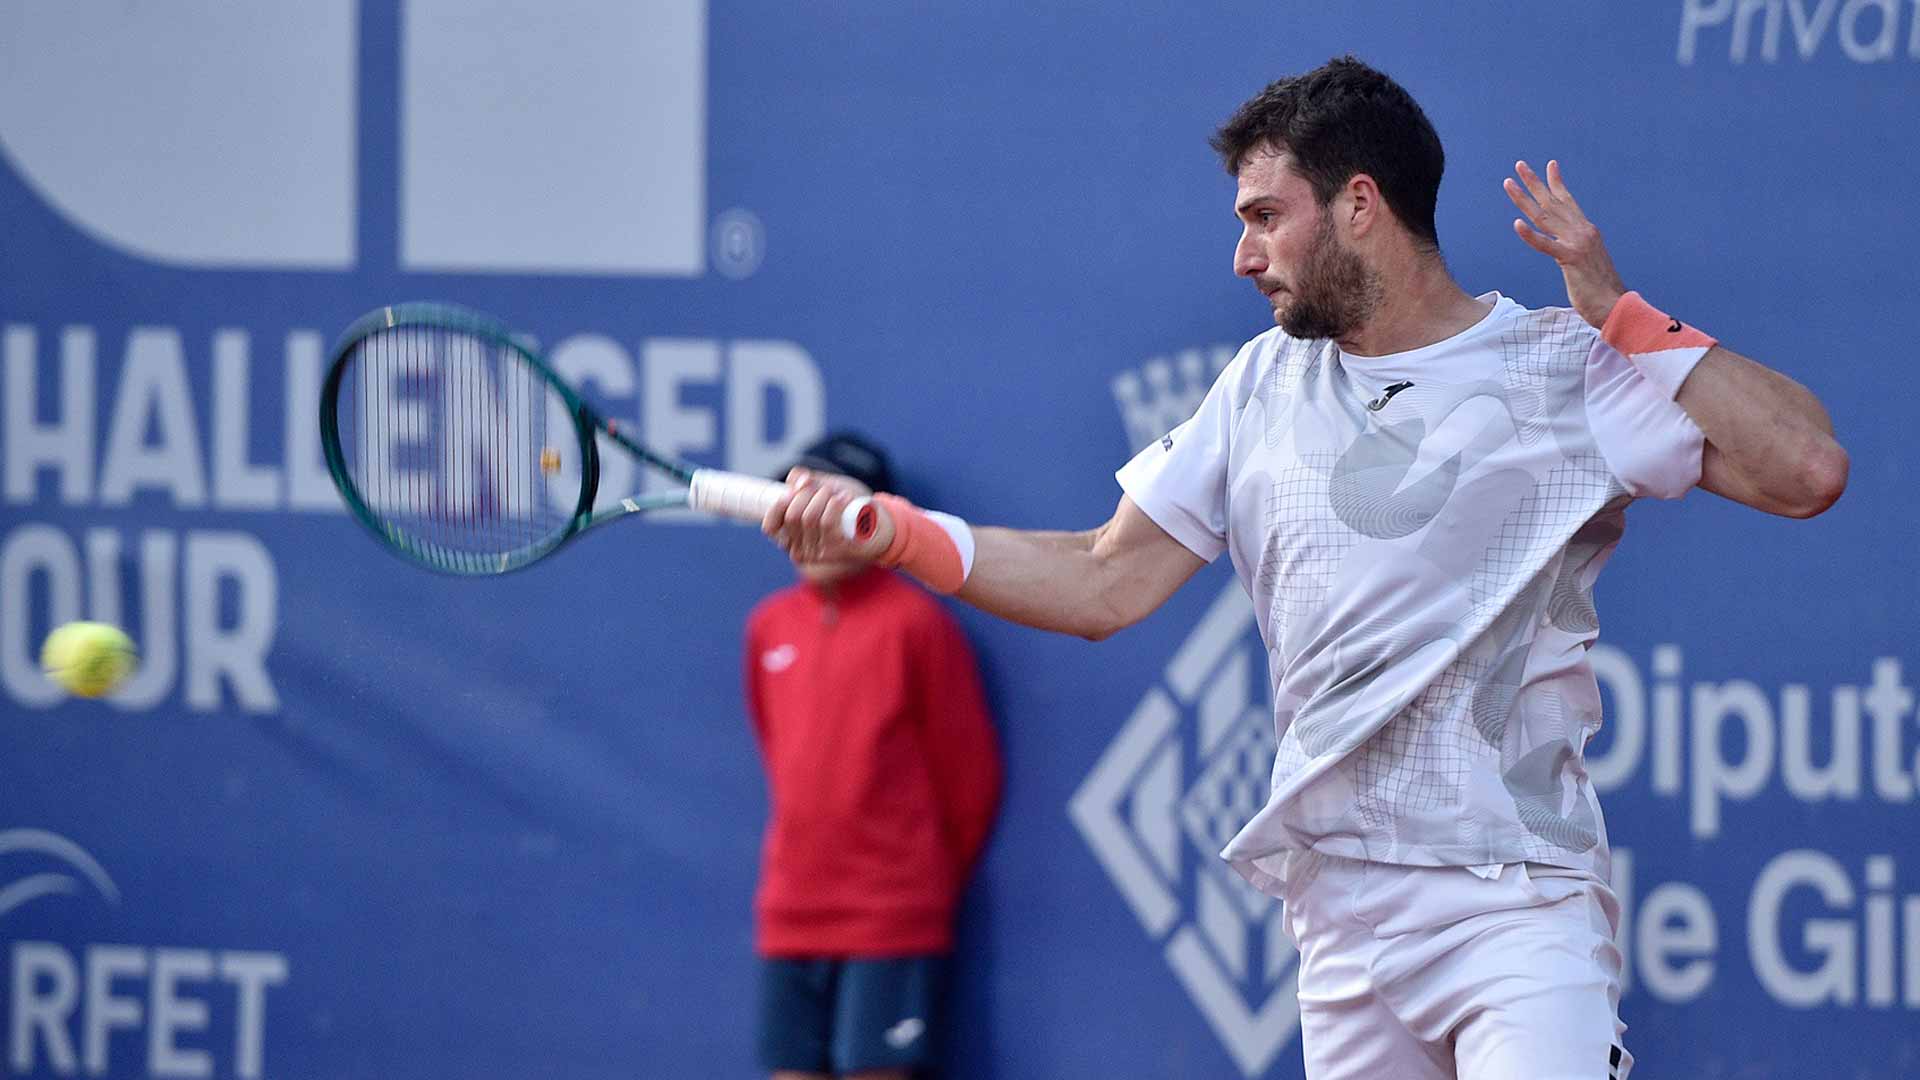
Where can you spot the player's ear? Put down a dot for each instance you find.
(1359, 205)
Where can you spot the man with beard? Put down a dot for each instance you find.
(1418, 488)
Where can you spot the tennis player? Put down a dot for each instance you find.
(1418, 487)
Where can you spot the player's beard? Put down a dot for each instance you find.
(1335, 292)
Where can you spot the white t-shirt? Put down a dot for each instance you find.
(1420, 534)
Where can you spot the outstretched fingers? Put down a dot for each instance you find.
(1547, 202)
(1521, 198)
(1555, 226)
(1536, 187)
(1532, 195)
(1535, 229)
(1536, 239)
(1557, 186)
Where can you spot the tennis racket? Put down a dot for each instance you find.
(460, 448)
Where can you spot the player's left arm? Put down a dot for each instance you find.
(1769, 442)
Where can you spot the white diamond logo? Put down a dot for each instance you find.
(1189, 767)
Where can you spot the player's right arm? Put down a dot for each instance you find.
(1090, 583)
(1172, 521)
(1087, 583)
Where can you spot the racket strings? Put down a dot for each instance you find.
(463, 452)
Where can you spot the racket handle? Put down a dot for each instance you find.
(733, 495)
(748, 498)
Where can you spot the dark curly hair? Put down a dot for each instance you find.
(1341, 119)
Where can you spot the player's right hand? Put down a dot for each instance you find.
(805, 522)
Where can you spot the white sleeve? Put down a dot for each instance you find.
(1180, 480)
(1650, 443)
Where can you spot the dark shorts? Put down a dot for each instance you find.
(837, 1015)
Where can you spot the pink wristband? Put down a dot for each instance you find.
(1635, 327)
(1661, 346)
(921, 547)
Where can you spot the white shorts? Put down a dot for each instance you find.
(1434, 973)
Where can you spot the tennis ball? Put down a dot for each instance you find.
(88, 658)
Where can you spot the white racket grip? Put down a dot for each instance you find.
(740, 496)
(731, 494)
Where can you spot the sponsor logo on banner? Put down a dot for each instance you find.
(198, 427)
(1188, 768)
(1823, 928)
(602, 171)
(166, 424)
(120, 1009)
(1798, 31)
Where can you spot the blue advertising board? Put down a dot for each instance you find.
(351, 819)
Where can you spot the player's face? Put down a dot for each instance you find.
(1293, 254)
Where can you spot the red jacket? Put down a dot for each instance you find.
(881, 762)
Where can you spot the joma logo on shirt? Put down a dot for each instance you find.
(779, 658)
(1387, 395)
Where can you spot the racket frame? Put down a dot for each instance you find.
(587, 424)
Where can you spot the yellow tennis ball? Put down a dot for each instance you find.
(88, 658)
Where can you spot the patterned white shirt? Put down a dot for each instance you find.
(1420, 534)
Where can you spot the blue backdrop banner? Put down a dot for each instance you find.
(352, 819)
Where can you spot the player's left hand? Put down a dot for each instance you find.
(1561, 230)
